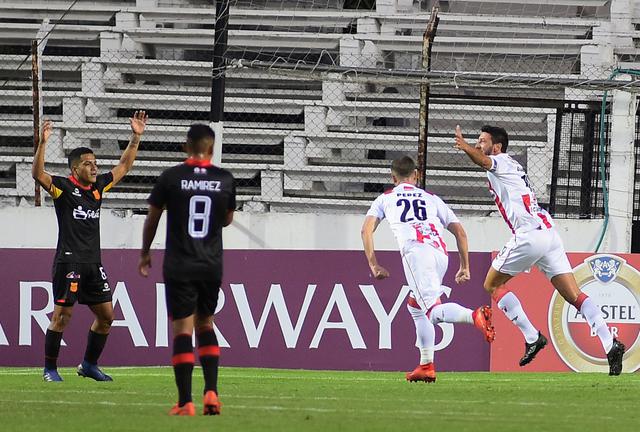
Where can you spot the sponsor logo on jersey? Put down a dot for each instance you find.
(201, 185)
(198, 170)
(76, 192)
(106, 287)
(80, 214)
(614, 286)
(72, 274)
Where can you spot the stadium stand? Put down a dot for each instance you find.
(294, 143)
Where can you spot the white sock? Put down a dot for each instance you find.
(425, 334)
(590, 312)
(451, 313)
(426, 356)
(510, 305)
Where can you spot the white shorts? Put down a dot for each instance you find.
(424, 268)
(541, 247)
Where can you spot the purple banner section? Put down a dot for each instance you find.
(282, 309)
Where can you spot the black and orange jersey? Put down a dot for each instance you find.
(197, 197)
(78, 211)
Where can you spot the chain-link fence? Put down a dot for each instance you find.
(576, 187)
(320, 95)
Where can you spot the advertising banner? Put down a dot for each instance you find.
(282, 309)
(612, 281)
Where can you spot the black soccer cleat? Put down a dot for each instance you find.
(532, 349)
(614, 357)
(88, 370)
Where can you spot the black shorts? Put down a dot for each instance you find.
(81, 282)
(186, 297)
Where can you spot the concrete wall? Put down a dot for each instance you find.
(29, 227)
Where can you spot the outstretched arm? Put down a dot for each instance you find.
(37, 169)
(464, 273)
(368, 228)
(138, 123)
(148, 233)
(476, 156)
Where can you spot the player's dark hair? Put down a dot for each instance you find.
(403, 167)
(196, 135)
(76, 154)
(498, 135)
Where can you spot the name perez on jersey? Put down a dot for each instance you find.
(202, 185)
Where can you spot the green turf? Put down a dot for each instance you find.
(283, 400)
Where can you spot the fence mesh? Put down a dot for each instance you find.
(576, 185)
(320, 95)
(636, 188)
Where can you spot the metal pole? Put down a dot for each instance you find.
(37, 110)
(37, 51)
(216, 115)
(556, 162)
(427, 44)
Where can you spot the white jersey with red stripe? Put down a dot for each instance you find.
(512, 192)
(414, 215)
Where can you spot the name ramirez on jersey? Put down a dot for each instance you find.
(414, 215)
(202, 185)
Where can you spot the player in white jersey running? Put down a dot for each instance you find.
(534, 242)
(417, 219)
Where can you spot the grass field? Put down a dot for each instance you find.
(283, 400)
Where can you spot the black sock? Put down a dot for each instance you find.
(52, 341)
(95, 345)
(183, 360)
(209, 353)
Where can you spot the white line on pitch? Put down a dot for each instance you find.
(456, 414)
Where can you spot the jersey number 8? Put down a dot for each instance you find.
(199, 213)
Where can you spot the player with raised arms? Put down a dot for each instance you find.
(78, 274)
(417, 219)
(535, 241)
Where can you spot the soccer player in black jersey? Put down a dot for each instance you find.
(78, 274)
(200, 200)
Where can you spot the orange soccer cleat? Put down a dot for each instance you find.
(482, 321)
(425, 372)
(187, 409)
(211, 404)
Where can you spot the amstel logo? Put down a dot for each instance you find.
(615, 287)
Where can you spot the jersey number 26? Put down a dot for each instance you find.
(419, 209)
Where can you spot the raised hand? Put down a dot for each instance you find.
(461, 143)
(138, 122)
(47, 128)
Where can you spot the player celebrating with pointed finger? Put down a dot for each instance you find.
(534, 242)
